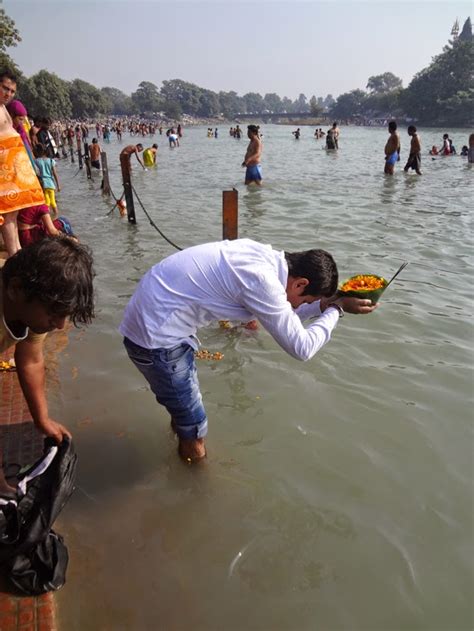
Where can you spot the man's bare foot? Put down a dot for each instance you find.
(192, 450)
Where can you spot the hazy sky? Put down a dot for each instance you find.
(313, 47)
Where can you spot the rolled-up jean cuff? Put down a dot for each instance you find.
(188, 432)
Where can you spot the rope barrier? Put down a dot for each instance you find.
(153, 223)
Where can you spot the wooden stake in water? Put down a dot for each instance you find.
(105, 174)
(230, 214)
(87, 160)
(127, 187)
(79, 153)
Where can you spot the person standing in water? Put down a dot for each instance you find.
(95, 150)
(414, 159)
(392, 148)
(253, 156)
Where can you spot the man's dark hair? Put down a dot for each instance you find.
(318, 267)
(58, 273)
(8, 74)
(411, 128)
(253, 128)
(392, 126)
(139, 145)
(334, 124)
(155, 146)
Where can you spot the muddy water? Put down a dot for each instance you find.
(337, 492)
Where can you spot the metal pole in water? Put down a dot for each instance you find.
(105, 174)
(230, 214)
(127, 187)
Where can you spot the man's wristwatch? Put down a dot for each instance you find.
(336, 306)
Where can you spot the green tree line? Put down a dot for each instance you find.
(442, 93)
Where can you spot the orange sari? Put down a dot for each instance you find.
(19, 185)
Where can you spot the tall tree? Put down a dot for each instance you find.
(272, 102)
(147, 97)
(230, 103)
(253, 102)
(349, 104)
(9, 37)
(9, 34)
(208, 104)
(45, 94)
(316, 108)
(442, 92)
(382, 83)
(86, 99)
(187, 95)
(466, 33)
(120, 103)
(301, 104)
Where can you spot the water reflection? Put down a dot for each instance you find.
(254, 204)
(389, 189)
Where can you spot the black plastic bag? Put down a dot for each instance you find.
(32, 556)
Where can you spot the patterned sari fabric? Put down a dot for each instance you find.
(19, 185)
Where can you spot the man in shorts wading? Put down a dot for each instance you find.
(235, 280)
(253, 156)
(392, 148)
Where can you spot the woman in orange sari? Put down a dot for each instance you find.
(19, 185)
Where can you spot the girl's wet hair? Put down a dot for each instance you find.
(58, 273)
(253, 128)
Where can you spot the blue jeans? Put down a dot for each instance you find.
(172, 375)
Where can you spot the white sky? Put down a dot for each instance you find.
(313, 47)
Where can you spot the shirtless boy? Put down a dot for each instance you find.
(392, 148)
(252, 157)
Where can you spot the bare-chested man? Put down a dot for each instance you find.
(392, 148)
(414, 159)
(128, 151)
(252, 157)
(19, 185)
(94, 151)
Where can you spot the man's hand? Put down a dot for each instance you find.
(54, 430)
(355, 305)
(349, 304)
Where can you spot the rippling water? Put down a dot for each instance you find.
(337, 493)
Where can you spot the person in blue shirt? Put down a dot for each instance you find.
(47, 176)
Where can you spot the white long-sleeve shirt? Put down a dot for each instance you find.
(232, 280)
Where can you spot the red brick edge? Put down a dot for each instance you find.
(27, 614)
(17, 613)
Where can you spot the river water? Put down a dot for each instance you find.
(337, 493)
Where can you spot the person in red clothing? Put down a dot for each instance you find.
(35, 223)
